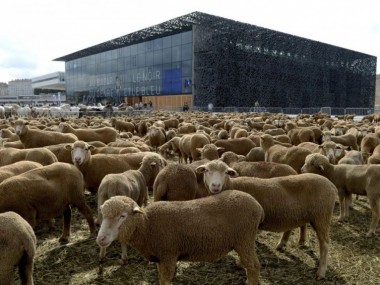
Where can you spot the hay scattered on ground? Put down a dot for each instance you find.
(354, 258)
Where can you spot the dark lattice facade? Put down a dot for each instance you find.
(237, 64)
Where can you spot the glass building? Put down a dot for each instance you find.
(200, 59)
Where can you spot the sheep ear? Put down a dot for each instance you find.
(199, 150)
(153, 164)
(200, 169)
(68, 147)
(321, 168)
(232, 173)
(241, 158)
(220, 150)
(137, 209)
(91, 147)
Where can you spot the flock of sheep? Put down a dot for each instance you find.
(236, 174)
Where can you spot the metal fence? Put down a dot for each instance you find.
(326, 110)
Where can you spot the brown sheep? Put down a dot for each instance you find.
(159, 231)
(349, 179)
(293, 156)
(95, 167)
(368, 144)
(32, 138)
(18, 247)
(16, 168)
(40, 155)
(131, 183)
(259, 169)
(45, 193)
(239, 146)
(288, 202)
(105, 134)
(122, 126)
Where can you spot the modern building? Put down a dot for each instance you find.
(3, 89)
(377, 94)
(20, 87)
(200, 59)
(53, 81)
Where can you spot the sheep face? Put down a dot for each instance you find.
(314, 163)
(80, 152)
(115, 211)
(62, 127)
(20, 127)
(216, 175)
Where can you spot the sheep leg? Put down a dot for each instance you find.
(166, 271)
(284, 240)
(342, 207)
(322, 230)
(303, 233)
(26, 269)
(66, 225)
(375, 208)
(250, 262)
(124, 257)
(87, 213)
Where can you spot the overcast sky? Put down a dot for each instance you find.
(34, 32)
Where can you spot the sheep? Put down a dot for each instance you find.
(189, 143)
(95, 167)
(32, 138)
(18, 247)
(131, 183)
(352, 157)
(171, 123)
(105, 134)
(40, 155)
(374, 158)
(239, 146)
(288, 202)
(368, 144)
(259, 169)
(156, 136)
(46, 192)
(167, 188)
(333, 151)
(16, 168)
(142, 128)
(299, 134)
(348, 140)
(349, 179)
(255, 154)
(122, 126)
(6, 134)
(165, 232)
(293, 156)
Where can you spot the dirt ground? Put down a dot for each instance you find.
(353, 258)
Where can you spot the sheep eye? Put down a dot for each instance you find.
(123, 216)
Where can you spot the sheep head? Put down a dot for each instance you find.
(216, 175)
(116, 211)
(80, 152)
(315, 163)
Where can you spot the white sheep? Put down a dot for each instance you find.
(349, 179)
(17, 248)
(197, 230)
(288, 202)
(131, 183)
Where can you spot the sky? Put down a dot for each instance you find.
(35, 32)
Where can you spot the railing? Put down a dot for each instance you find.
(328, 110)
